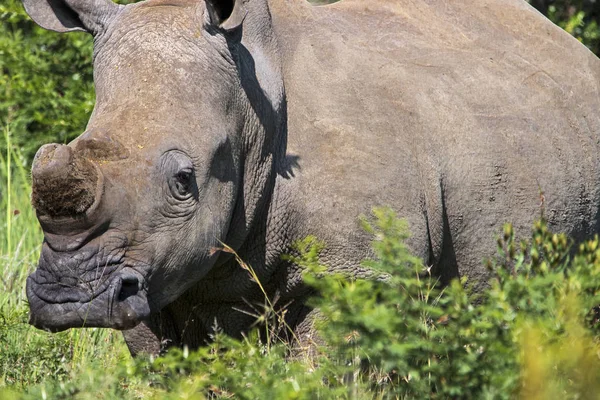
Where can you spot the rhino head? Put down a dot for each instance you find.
(179, 156)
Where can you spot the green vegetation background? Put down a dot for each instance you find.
(534, 334)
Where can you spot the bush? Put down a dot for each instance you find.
(581, 18)
(423, 342)
(45, 80)
(532, 334)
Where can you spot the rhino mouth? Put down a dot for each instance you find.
(115, 299)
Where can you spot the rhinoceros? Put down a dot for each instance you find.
(255, 123)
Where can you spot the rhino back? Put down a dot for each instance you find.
(473, 113)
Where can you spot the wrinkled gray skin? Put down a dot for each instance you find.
(256, 124)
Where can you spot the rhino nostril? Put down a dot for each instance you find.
(129, 287)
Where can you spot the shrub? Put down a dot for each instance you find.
(421, 341)
(46, 82)
(532, 334)
(581, 18)
(45, 98)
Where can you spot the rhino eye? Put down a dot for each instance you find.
(182, 184)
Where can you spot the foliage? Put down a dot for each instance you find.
(423, 342)
(581, 18)
(46, 90)
(46, 80)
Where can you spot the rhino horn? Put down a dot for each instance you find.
(64, 183)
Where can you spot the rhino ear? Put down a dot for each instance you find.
(225, 14)
(72, 15)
